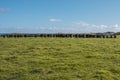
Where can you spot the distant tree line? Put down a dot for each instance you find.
(61, 35)
(117, 33)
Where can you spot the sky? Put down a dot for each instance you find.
(59, 16)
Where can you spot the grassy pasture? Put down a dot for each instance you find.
(59, 59)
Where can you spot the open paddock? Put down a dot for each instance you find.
(59, 58)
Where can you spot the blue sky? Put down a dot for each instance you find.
(53, 16)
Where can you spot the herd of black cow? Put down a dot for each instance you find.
(60, 35)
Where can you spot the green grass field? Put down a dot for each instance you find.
(59, 59)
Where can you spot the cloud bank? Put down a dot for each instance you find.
(73, 27)
(96, 28)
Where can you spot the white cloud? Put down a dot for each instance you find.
(87, 27)
(94, 26)
(103, 26)
(116, 27)
(3, 10)
(85, 24)
(54, 20)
